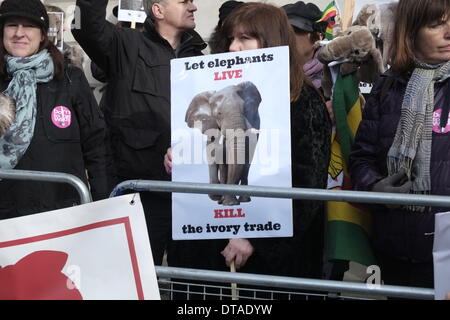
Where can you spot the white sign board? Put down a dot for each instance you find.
(56, 29)
(441, 255)
(131, 11)
(99, 250)
(216, 91)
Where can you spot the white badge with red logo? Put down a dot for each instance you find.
(61, 117)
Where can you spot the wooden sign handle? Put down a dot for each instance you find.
(234, 294)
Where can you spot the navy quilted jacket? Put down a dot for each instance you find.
(402, 234)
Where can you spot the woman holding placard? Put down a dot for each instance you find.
(253, 26)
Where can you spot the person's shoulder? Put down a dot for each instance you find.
(195, 35)
(73, 75)
(309, 88)
(390, 74)
(386, 82)
(310, 95)
(196, 40)
(73, 71)
(308, 105)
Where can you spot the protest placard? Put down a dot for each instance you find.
(56, 29)
(131, 11)
(99, 250)
(441, 255)
(231, 125)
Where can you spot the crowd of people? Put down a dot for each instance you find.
(400, 146)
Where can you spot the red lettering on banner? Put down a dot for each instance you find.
(228, 213)
(218, 213)
(227, 75)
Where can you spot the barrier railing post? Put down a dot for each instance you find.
(83, 191)
(285, 193)
(289, 193)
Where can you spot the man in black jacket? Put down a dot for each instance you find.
(137, 101)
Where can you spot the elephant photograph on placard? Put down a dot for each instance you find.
(230, 120)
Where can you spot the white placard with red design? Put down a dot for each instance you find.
(99, 250)
(223, 82)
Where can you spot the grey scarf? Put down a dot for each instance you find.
(26, 73)
(411, 149)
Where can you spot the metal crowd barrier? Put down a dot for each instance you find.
(286, 193)
(297, 287)
(81, 188)
(323, 286)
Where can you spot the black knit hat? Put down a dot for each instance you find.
(226, 8)
(30, 9)
(304, 16)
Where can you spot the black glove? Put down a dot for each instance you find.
(397, 183)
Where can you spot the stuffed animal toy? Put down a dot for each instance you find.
(75, 55)
(356, 51)
(380, 21)
(7, 112)
(387, 21)
(369, 16)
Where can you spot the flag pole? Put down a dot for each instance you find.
(348, 14)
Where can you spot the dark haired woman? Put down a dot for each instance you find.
(255, 25)
(58, 126)
(403, 142)
(303, 18)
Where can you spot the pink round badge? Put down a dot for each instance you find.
(61, 117)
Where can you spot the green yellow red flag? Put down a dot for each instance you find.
(348, 226)
(330, 15)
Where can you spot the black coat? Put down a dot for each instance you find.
(402, 234)
(302, 254)
(137, 100)
(77, 149)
